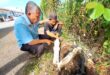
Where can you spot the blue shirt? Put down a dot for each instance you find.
(25, 32)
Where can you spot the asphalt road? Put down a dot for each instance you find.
(6, 24)
(11, 58)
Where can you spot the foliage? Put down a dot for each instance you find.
(99, 10)
(39, 65)
(107, 14)
(49, 6)
(67, 11)
(106, 45)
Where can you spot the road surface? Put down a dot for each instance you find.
(11, 58)
(6, 24)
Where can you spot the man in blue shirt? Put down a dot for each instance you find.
(26, 30)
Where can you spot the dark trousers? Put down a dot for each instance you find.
(36, 49)
(45, 36)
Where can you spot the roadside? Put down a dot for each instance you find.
(11, 58)
(6, 24)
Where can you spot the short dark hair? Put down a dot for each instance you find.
(30, 6)
(53, 15)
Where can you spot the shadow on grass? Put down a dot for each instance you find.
(37, 64)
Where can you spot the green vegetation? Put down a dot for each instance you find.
(49, 6)
(39, 65)
(100, 10)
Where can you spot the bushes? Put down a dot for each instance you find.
(91, 21)
(49, 6)
(104, 13)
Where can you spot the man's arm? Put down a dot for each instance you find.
(59, 29)
(24, 35)
(35, 41)
(60, 22)
(51, 34)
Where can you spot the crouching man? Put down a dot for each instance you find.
(26, 30)
(52, 28)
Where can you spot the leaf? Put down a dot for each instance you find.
(108, 51)
(105, 44)
(107, 14)
(91, 5)
(98, 11)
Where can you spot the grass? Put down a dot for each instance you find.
(39, 65)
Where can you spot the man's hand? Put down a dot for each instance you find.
(61, 23)
(56, 36)
(48, 41)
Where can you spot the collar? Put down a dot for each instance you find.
(27, 20)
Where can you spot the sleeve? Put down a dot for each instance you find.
(36, 26)
(59, 30)
(46, 27)
(23, 34)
